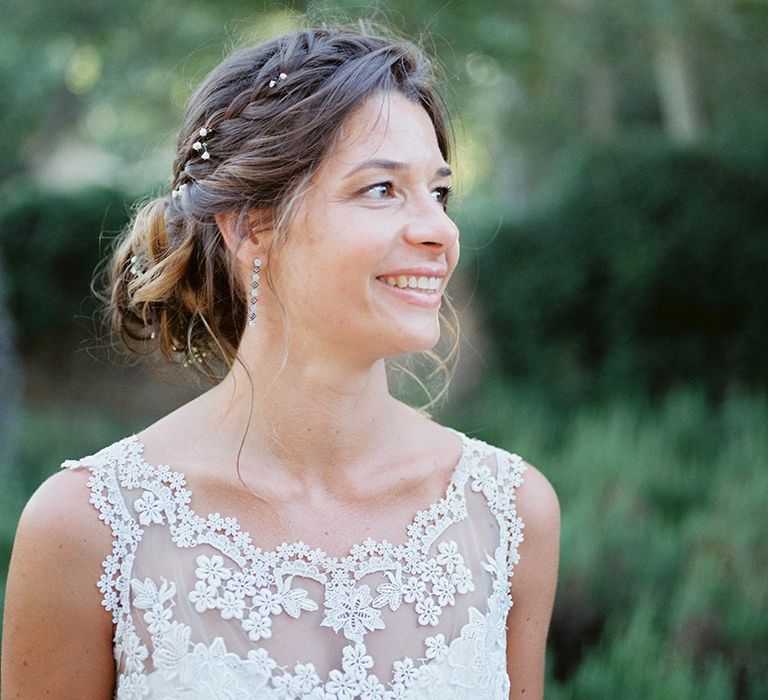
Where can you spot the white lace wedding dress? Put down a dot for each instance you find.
(202, 612)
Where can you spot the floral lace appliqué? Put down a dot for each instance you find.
(242, 585)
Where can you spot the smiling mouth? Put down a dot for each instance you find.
(430, 285)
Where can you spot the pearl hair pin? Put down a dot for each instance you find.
(274, 81)
(202, 145)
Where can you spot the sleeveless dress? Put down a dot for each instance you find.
(202, 612)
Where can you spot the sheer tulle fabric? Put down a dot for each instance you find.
(202, 612)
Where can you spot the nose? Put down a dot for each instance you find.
(430, 226)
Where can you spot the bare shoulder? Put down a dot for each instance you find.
(533, 584)
(537, 504)
(57, 636)
(59, 520)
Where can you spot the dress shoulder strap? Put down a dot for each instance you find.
(113, 469)
(498, 474)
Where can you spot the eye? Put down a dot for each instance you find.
(441, 194)
(381, 190)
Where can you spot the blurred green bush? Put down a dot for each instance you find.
(664, 542)
(647, 268)
(52, 243)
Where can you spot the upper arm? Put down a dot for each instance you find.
(533, 585)
(57, 637)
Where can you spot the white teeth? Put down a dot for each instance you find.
(428, 284)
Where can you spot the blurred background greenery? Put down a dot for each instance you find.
(612, 160)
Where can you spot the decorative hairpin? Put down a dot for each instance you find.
(201, 144)
(274, 81)
(138, 265)
(178, 191)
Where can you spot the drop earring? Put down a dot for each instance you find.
(254, 292)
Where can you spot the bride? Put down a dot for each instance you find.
(294, 532)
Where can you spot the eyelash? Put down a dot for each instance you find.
(444, 192)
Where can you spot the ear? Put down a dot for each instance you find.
(245, 248)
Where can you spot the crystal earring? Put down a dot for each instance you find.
(254, 292)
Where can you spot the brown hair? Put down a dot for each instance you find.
(172, 280)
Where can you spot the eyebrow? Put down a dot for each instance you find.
(394, 165)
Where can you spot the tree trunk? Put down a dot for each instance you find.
(678, 97)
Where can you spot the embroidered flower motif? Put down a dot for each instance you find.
(404, 672)
(158, 619)
(445, 591)
(431, 571)
(356, 661)
(341, 684)
(258, 626)
(462, 579)
(149, 508)
(132, 685)
(307, 677)
(372, 689)
(352, 611)
(215, 521)
(231, 605)
(261, 660)
(287, 685)
(135, 653)
(204, 597)
(414, 589)
(241, 584)
(428, 611)
(242, 540)
(212, 570)
(398, 692)
(482, 479)
(436, 647)
(286, 551)
(448, 555)
(268, 603)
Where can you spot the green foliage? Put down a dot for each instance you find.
(648, 270)
(664, 538)
(52, 245)
(45, 439)
(635, 662)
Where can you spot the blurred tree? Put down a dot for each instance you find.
(10, 377)
(92, 90)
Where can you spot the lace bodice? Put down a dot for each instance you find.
(201, 611)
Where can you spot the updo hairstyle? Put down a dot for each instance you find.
(172, 283)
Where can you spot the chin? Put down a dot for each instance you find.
(418, 340)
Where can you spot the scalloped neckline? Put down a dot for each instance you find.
(252, 552)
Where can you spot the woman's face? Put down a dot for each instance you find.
(371, 248)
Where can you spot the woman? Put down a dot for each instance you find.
(260, 541)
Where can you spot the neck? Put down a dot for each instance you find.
(305, 411)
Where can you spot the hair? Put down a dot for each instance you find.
(172, 287)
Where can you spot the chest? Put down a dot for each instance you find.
(202, 604)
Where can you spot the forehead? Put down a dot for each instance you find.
(386, 126)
